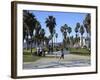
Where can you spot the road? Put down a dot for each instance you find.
(70, 60)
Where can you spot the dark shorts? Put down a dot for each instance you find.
(62, 55)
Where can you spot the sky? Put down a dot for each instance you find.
(69, 18)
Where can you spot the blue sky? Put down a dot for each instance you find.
(69, 18)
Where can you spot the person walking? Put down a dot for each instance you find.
(62, 54)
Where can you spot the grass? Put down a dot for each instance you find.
(80, 51)
(27, 52)
(33, 50)
(30, 58)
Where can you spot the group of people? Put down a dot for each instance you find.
(40, 51)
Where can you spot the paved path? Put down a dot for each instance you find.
(70, 60)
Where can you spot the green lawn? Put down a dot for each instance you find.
(80, 51)
(30, 58)
(27, 56)
(29, 50)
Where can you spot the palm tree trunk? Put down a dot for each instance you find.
(52, 46)
(54, 42)
(69, 41)
(81, 41)
(27, 43)
(88, 41)
(31, 45)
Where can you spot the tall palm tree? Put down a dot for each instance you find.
(72, 39)
(76, 28)
(37, 33)
(47, 39)
(25, 27)
(87, 25)
(82, 32)
(54, 32)
(65, 27)
(69, 31)
(76, 31)
(56, 36)
(32, 26)
(51, 23)
(64, 32)
(42, 35)
(25, 34)
(29, 20)
(62, 29)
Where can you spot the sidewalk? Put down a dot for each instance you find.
(70, 60)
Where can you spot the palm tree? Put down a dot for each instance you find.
(42, 35)
(25, 34)
(87, 25)
(77, 30)
(54, 33)
(56, 36)
(62, 29)
(65, 28)
(47, 39)
(37, 33)
(25, 27)
(29, 20)
(64, 32)
(32, 26)
(82, 32)
(69, 31)
(51, 23)
(72, 39)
